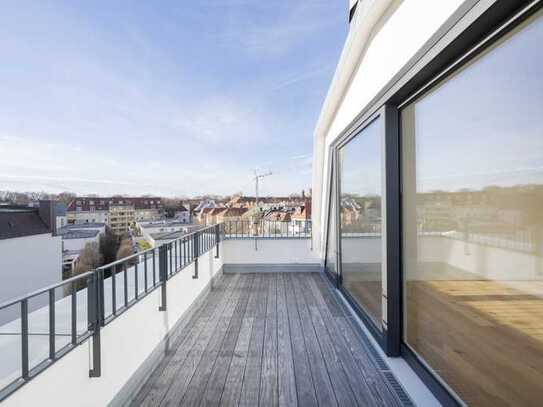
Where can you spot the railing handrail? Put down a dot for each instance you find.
(89, 273)
(43, 290)
(173, 256)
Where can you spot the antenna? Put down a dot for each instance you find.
(258, 177)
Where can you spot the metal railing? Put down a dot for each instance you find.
(242, 229)
(76, 309)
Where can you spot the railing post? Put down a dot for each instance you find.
(24, 339)
(163, 274)
(52, 324)
(217, 239)
(94, 317)
(196, 253)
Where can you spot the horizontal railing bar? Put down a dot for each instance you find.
(16, 300)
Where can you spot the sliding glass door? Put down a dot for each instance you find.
(361, 190)
(473, 224)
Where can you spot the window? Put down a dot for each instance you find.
(361, 187)
(472, 170)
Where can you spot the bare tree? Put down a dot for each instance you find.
(89, 258)
(125, 249)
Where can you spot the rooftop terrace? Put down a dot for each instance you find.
(269, 339)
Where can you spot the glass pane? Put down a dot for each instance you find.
(331, 246)
(473, 225)
(361, 189)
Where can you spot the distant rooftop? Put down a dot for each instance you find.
(162, 222)
(102, 203)
(79, 234)
(20, 221)
(174, 235)
(77, 226)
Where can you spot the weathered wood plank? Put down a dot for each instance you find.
(251, 378)
(343, 392)
(319, 372)
(234, 379)
(218, 375)
(268, 339)
(335, 309)
(353, 351)
(269, 395)
(186, 370)
(197, 385)
(159, 383)
(355, 379)
(305, 388)
(366, 365)
(254, 298)
(285, 365)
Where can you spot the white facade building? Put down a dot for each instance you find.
(30, 256)
(426, 138)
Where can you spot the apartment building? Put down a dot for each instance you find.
(117, 212)
(121, 216)
(30, 251)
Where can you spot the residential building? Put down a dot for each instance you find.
(97, 209)
(30, 251)
(431, 124)
(61, 218)
(424, 138)
(158, 238)
(74, 239)
(147, 229)
(182, 214)
(121, 217)
(77, 239)
(230, 215)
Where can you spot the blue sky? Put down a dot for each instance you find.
(171, 98)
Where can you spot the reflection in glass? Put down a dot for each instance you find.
(331, 245)
(473, 225)
(361, 190)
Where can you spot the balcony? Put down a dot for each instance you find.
(233, 314)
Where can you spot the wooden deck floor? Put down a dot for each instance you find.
(269, 339)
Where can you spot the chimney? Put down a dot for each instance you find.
(48, 213)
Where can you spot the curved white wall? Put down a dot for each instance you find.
(402, 30)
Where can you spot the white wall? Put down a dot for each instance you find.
(126, 342)
(29, 263)
(270, 251)
(78, 244)
(394, 38)
(483, 261)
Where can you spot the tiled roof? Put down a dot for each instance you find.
(20, 221)
(233, 212)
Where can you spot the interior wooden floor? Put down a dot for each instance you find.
(484, 338)
(269, 339)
